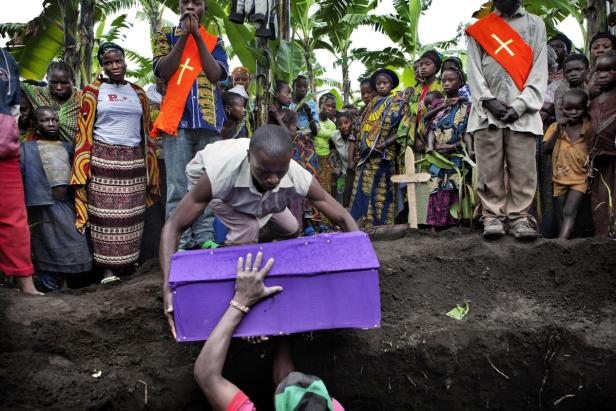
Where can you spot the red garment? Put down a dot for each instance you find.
(505, 45)
(241, 402)
(15, 259)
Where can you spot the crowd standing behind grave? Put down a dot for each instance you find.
(519, 139)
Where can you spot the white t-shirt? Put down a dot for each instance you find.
(118, 115)
(228, 169)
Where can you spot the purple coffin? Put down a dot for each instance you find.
(329, 280)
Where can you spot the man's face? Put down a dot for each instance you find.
(268, 171)
(507, 7)
(196, 7)
(575, 72)
(47, 123)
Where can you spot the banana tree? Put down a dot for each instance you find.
(339, 43)
(401, 28)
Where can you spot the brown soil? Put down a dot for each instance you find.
(540, 335)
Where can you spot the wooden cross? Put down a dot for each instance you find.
(503, 45)
(411, 178)
(184, 67)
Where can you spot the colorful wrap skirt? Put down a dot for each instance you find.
(116, 203)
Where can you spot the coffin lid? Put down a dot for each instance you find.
(319, 254)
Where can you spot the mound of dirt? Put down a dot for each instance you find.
(539, 335)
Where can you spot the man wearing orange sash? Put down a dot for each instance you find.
(190, 61)
(507, 73)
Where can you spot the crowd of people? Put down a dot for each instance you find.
(521, 139)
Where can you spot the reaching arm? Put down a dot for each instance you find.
(249, 289)
(330, 207)
(551, 136)
(431, 140)
(186, 213)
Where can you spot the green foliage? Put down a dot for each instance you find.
(289, 61)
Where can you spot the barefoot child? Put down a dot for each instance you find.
(235, 109)
(567, 142)
(57, 246)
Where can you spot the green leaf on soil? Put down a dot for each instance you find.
(459, 312)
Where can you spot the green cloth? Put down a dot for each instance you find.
(68, 111)
(321, 141)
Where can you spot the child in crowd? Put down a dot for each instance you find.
(453, 61)
(366, 91)
(445, 136)
(434, 102)
(345, 126)
(307, 124)
(327, 129)
(576, 68)
(57, 246)
(25, 122)
(235, 109)
(567, 142)
(279, 113)
(602, 147)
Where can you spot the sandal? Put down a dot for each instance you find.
(111, 280)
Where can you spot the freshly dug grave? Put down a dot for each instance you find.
(540, 334)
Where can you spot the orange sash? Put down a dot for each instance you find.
(181, 82)
(505, 45)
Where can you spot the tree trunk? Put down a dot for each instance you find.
(263, 86)
(309, 69)
(86, 40)
(346, 81)
(596, 17)
(284, 20)
(70, 12)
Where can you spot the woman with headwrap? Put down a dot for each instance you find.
(374, 195)
(114, 169)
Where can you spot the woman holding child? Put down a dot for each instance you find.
(115, 170)
(373, 196)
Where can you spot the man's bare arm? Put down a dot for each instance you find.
(186, 213)
(330, 207)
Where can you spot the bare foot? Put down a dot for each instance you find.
(26, 285)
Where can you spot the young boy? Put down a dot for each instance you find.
(575, 70)
(191, 61)
(567, 142)
(57, 246)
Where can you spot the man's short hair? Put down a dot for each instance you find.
(272, 140)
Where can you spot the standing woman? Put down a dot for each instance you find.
(60, 94)
(115, 170)
(374, 196)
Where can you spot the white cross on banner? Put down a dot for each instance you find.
(184, 67)
(503, 45)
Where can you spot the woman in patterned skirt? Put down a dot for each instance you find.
(374, 196)
(115, 170)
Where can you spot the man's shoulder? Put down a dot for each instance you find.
(167, 30)
(536, 20)
(227, 149)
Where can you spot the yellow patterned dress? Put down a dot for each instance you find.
(374, 195)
